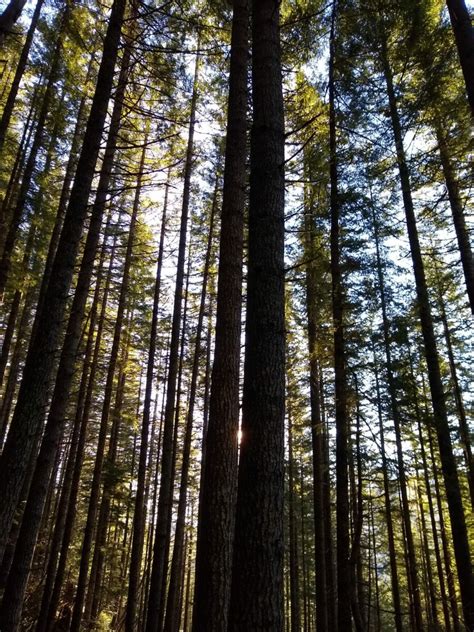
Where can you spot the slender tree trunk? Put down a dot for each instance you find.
(293, 537)
(20, 69)
(140, 513)
(448, 463)
(457, 212)
(463, 423)
(464, 35)
(172, 611)
(344, 590)
(257, 576)
(36, 145)
(33, 395)
(160, 557)
(106, 409)
(317, 434)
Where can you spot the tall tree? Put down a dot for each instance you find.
(219, 476)
(257, 574)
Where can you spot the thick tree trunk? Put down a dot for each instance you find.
(69, 520)
(8, 18)
(257, 575)
(67, 484)
(220, 449)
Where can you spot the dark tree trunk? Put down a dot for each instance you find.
(20, 69)
(293, 537)
(220, 449)
(257, 575)
(21, 200)
(106, 409)
(172, 619)
(160, 553)
(317, 431)
(448, 463)
(66, 487)
(21, 442)
(8, 18)
(69, 520)
(344, 589)
(464, 35)
(139, 515)
(459, 220)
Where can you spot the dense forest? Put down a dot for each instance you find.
(236, 315)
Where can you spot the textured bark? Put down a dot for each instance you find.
(440, 417)
(20, 69)
(220, 449)
(464, 35)
(33, 395)
(156, 600)
(257, 576)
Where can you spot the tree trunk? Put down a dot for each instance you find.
(8, 18)
(160, 556)
(140, 512)
(21, 442)
(220, 449)
(172, 619)
(457, 212)
(106, 409)
(464, 35)
(448, 463)
(257, 576)
(20, 69)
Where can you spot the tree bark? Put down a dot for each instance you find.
(257, 576)
(220, 448)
